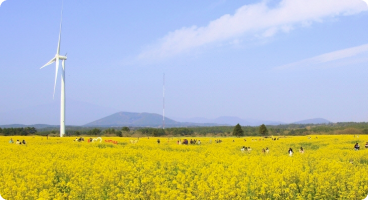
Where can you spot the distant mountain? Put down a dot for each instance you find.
(132, 119)
(229, 120)
(77, 113)
(37, 126)
(140, 120)
(313, 121)
(193, 120)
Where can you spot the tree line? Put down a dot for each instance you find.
(18, 131)
(238, 130)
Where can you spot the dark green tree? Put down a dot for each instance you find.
(179, 131)
(125, 129)
(238, 131)
(94, 131)
(77, 133)
(263, 130)
(119, 133)
(155, 133)
(109, 131)
(152, 131)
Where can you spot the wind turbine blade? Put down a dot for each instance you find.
(58, 49)
(49, 63)
(61, 22)
(56, 72)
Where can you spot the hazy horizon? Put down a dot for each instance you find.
(81, 113)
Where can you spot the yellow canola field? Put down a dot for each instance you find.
(59, 168)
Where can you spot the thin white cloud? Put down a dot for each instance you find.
(329, 57)
(2, 1)
(256, 19)
(366, 1)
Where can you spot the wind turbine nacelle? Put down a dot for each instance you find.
(62, 57)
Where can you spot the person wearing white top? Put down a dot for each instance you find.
(290, 152)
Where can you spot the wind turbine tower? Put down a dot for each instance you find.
(57, 59)
(163, 103)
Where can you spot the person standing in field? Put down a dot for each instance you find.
(356, 146)
(301, 150)
(267, 150)
(366, 145)
(11, 141)
(158, 141)
(290, 151)
(263, 151)
(24, 142)
(243, 149)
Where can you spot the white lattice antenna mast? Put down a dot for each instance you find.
(163, 103)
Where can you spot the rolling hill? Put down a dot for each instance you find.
(230, 121)
(133, 119)
(313, 121)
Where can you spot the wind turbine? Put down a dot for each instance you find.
(57, 59)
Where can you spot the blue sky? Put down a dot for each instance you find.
(273, 60)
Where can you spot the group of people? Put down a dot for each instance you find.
(186, 142)
(79, 139)
(246, 149)
(17, 142)
(291, 152)
(357, 147)
(195, 141)
(265, 150)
